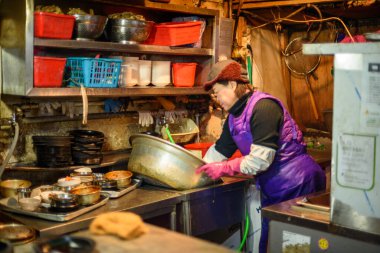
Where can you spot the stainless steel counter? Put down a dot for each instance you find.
(148, 201)
(145, 202)
(289, 212)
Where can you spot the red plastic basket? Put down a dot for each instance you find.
(184, 74)
(175, 33)
(53, 26)
(48, 71)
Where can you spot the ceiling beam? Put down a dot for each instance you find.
(268, 4)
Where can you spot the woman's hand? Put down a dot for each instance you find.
(219, 169)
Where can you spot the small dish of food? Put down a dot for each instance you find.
(87, 195)
(122, 177)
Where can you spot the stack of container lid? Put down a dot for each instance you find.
(87, 146)
(53, 151)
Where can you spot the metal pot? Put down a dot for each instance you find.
(87, 195)
(8, 188)
(123, 178)
(165, 164)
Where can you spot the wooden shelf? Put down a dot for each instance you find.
(186, 9)
(117, 92)
(118, 47)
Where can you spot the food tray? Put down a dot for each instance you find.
(120, 192)
(11, 205)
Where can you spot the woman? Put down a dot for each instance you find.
(269, 139)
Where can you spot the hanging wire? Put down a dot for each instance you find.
(307, 21)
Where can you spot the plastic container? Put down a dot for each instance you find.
(145, 72)
(160, 73)
(93, 72)
(184, 74)
(175, 33)
(53, 26)
(130, 71)
(48, 71)
(200, 149)
(197, 44)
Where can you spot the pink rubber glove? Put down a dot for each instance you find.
(219, 169)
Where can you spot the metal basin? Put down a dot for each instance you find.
(8, 188)
(130, 31)
(89, 27)
(162, 163)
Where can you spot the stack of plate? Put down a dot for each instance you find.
(87, 146)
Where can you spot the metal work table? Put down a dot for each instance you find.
(147, 201)
(288, 214)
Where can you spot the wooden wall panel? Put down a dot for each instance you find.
(322, 89)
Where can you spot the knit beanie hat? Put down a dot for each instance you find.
(227, 70)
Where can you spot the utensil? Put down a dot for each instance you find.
(29, 204)
(64, 202)
(89, 27)
(87, 195)
(8, 188)
(123, 178)
(106, 184)
(68, 244)
(17, 233)
(165, 164)
(23, 193)
(130, 31)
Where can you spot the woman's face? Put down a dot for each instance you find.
(225, 94)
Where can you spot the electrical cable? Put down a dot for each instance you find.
(279, 20)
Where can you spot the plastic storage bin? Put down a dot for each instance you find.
(175, 33)
(93, 72)
(53, 26)
(200, 149)
(48, 71)
(184, 74)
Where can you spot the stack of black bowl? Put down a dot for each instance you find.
(87, 146)
(53, 151)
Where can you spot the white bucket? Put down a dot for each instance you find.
(130, 71)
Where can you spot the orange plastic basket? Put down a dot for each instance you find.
(175, 33)
(53, 26)
(184, 74)
(48, 71)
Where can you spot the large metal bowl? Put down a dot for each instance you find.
(162, 163)
(89, 27)
(130, 31)
(8, 188)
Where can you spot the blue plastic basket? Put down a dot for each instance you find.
(93, 72)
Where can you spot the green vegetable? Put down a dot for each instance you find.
(49, 8)
(126, 15)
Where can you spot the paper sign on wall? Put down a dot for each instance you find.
(356, 161)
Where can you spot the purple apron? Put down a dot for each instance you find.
(293, 172)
